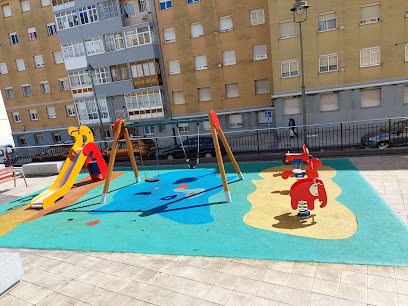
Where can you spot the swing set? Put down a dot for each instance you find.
(121, 129)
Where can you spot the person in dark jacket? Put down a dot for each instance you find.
(292, 125)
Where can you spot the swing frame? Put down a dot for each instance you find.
(121, 128)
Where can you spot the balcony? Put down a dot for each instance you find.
(146, 74)
(58, 5)
(145, 105)
(132, 15)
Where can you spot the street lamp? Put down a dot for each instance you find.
(90, 74)
(299, 10)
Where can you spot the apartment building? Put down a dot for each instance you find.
(355, 60)
(216, 55)
(33, 80)
(112, 57)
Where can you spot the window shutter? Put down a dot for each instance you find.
(169, 35)
(196, 30)
(58, 57)
(39, 62)
(325, 17)
(174, 67)
(375, 56)
(228, 58)
(370, 98)
(204, 94)
(235, 121)
(406, 94)
(262, 87)
(20, 65)
(262, 119)
(287, 29)
(259, 52)
(291, 106)
(206, 125)
(232, 90)
(370, 13)
(329, 102)
(201, 62)
(365, 58)
(178, 97)
(3, 68)
(51, 112)
(45, 3)
(6, 11)
(25, 5)
(226, 24)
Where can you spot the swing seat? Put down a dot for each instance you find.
(151, 180)
(192, 163)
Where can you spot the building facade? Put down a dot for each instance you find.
(33, 79)
(216, 55)
(355, 60)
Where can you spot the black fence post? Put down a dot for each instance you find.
(389, 131)
(257, 139)
(341, 136)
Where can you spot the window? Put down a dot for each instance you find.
(25, 5)
(142, 6)
(370, 57)
(45, 87)
(57, 137)
(101, 76)
(6, 10)
(13, 38)
(290, 69)
(67, 20)
(192, 1)
(206, 126)
(26, 90)
(232, 90)
(329, 102)
(263, 120)
(33, 114)
(45, 3)
(80, 80)
(114, 42)
(88, 110)
(119, 72)
(201, 62)
(51, 29)
(94, 46)
(146, 73)
(149, 130)
(32, 34)
(328, 63)
(406, 94)
(20, 65)
(174, 67)
(88, 14)
(287, 29)
(370, 98)
(145, 105)
(63, 83)
(16, 117)
(108, 10)
(204, 94)
(51, 113)
(9, 93)
(257, 17)
(235, 121)
(327, 22)
(228, 58)
(226, 24)
(169, 35)
(178, 98)
(22, 139)
(137, 37)
(58, 59)
(107, 132)
(262, 87)
(291, 106)
(259, 52)
(406, 52)
(197, 30)
(3, 68)
(370, 13)
(38, 60)
(70, 110)
(38, 139)
(165, 4)
(128, 10)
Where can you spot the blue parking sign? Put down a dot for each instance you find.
(268, 114)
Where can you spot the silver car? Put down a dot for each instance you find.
(394, 135)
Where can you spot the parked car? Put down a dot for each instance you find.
(207, 149)
(394, 135)
(7, 154)
(53, 153)
(144, 147)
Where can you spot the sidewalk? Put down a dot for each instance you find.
(78, 278)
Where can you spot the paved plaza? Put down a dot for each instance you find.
(71, 278)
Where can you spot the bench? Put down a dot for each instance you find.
(9, 174)
(11, 271)
(43, 168)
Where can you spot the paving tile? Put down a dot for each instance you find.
(9, 300)
(271, 292)
(57, 299)
(401, 273)
(145, 275)
(305, 269)
(382, 283)
(77, 290)
(248, 286)
(353, 293)
(235, 268)
(328, 273)
(99, 296)
(355, 268)
(354, 278)
(320, 299)
(295, 297)
(172, 268)
(255, 273)
(259, 301)
(23, 289)
(142, 292)
(402, 286)
(300, 282)
(277, 277)
(227, 281)
(325, 287)
(402, 299)
(115, 284)
(117, 299)
(283, 266)
(198, 274)
(218, 295)
(240, 299)
(378, 297)
(67, 270)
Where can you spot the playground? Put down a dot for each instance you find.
(216, 210)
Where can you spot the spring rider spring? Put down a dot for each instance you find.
(304, 191)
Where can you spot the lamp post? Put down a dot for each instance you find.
(299, 10)
(90, 74)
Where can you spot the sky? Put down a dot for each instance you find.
(5, 129)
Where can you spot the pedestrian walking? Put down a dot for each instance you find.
(292, 125)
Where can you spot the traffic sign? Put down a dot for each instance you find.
(268, 114)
